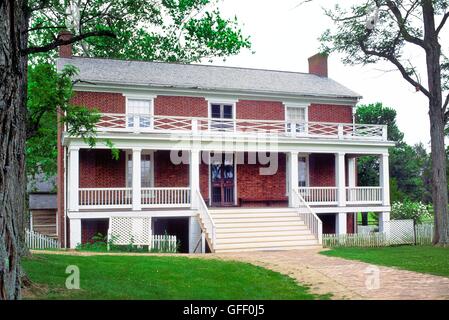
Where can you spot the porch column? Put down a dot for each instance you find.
(352, 172)
(75, 233)
(194, 175)
(384, 217)
(293, 176)
(341, 223)
(340, 178)
(352, 178)
(384, 179)
(136, 179)
(73, 179)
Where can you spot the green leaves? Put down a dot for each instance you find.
(167, 30)
(407, 163)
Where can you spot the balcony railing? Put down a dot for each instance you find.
(174, 124)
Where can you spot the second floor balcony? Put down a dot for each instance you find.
(144, 123)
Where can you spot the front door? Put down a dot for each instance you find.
(222, 181)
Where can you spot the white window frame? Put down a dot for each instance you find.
(144, 152)
(221, 102)
(150, 99)
(306, 116)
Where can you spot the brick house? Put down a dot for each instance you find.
(244, 159)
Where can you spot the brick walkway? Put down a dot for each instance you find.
(346, 279)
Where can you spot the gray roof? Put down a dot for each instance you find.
(42, 201)
(41, 184)
(205, 77)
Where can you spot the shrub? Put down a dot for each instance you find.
(408, 209)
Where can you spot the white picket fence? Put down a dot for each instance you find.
(164, 243)
(36, 240)
(424, 233)
(397, 232)
(375, 239)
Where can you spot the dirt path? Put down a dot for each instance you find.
(345, 279)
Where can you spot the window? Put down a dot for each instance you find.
(225, 113)
(296, 115)
(146, 172)
(139, 110)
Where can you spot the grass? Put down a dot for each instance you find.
(424, 259)
(156, 277)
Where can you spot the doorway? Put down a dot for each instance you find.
(222, 180)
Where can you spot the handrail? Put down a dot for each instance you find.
(311, 220)
(206, 219)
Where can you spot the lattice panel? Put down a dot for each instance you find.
(400, 231)
(130, 230)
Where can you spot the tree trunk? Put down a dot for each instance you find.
(12, 144)
(437, 125)
(439, 181)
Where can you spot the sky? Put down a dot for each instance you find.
(284, 35)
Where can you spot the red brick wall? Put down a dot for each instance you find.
(253, 186)
(262, 110)
(330, 113)
(350, 228)
(99, 170)
(204, 181)
(167, 174)
(322, 170)
(180, 106)
(103, 101)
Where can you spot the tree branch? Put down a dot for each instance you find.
(443, 22)
(401, 24)
(59, 42)
(398, 65)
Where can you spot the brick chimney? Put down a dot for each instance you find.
(65, 51)
(318, 65)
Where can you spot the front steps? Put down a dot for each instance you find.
(240, 229)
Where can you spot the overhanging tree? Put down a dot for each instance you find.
(383, 30)
(173, 30)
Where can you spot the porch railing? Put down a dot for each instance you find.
(149, 123)
(362, 195)
(329, 195)
(105, 197)
(165, 197)
(319, 195)
(309, 217)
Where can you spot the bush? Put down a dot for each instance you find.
(408, 209)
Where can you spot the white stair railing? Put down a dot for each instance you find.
(206, 219)
(309, 217)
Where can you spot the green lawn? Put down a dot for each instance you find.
(425, 259)
(156, 277)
